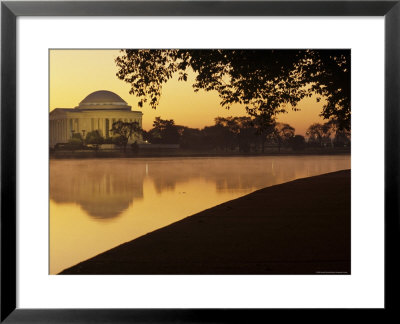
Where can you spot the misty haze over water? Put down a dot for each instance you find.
(98, 204)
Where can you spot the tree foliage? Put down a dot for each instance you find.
(327, 134)
(282, 133)
(164, 131)
(298, 143)
(264, 81)
(319, 134)
(243, 133)
(124, 130)
(74, 143)
(94, 138)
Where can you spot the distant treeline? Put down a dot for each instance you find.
(246, 134)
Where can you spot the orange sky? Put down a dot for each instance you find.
(76, 73)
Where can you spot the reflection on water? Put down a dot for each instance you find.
(98, 204)
(103, 190)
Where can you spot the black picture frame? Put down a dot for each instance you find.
(10, 10)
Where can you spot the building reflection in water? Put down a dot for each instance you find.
(104, 190)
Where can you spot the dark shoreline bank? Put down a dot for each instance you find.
(116, 154)
(299, 227)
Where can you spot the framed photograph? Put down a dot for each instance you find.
(134, 172)
(194, 161)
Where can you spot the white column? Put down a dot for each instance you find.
(68, 128)
(102, 125)
(50, 133)
(65, 130)
(62, 130)
(58, 130)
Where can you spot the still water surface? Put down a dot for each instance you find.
(98, 204)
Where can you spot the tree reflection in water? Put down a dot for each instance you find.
(105, 188)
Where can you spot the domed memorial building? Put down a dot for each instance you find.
(98, 111)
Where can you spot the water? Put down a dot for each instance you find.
(98, 204)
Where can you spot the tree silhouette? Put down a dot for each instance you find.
(94, 138)
(264, 81)
(164, 131)
(297, 143)
(341, 136)
(239, 131)
(319, 134)
(265, 126)
(125, 130)
(217, 137)
(76, 141)
(282, 133)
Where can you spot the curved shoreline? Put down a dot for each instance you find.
(299, 227)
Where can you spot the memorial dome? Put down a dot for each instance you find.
(103, 99)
